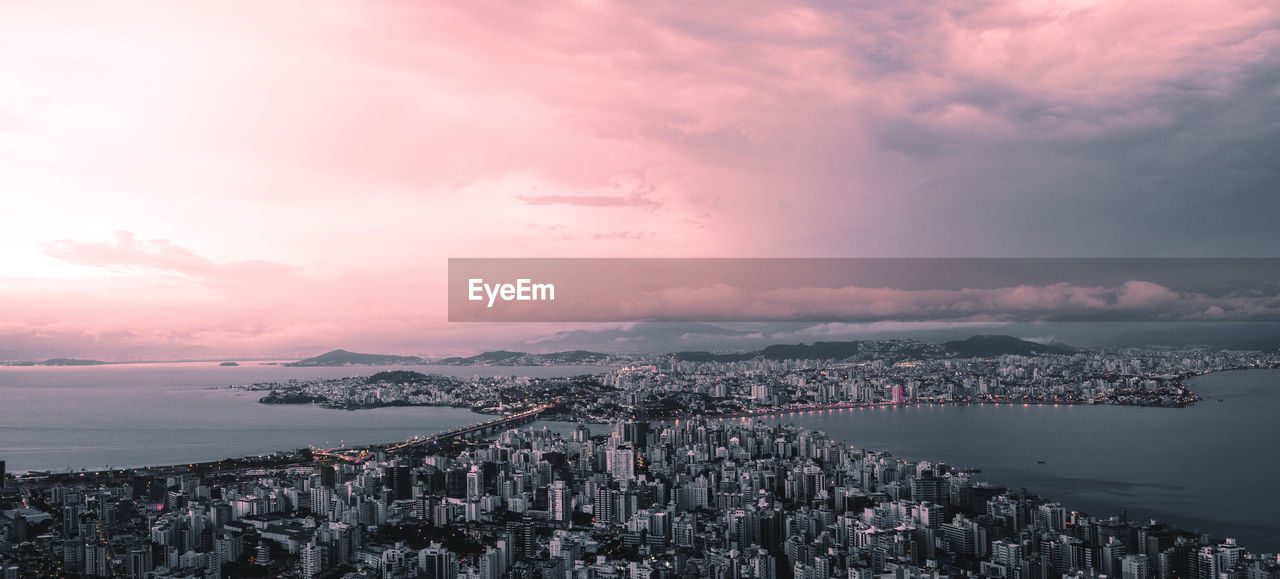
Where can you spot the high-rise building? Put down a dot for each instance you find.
(621, 462)
(561, 503)
(491, 564)
(1135, 567)
(475, 484)
(400, 481)
(604, 507)
(436, 562)
(310, 559)
(95, 559)
(1007, 553)
(138, 563)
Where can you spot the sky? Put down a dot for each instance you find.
(262, 179)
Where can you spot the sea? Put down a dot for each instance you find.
(1213, 466)
(55, 418)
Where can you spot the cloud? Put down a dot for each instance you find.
(128, 252)
(591, 200)
(1131, 301)
(347, 171)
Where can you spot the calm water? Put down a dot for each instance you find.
(53, 418)
(1213, 466)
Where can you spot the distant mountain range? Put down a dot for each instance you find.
(986, 346)
(345, 358)
(508, 358)
(495, 358)
(890, 350)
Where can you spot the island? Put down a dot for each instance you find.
(800, 377)
(70, 362)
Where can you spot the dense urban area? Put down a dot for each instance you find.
(666, 475)
(893, 372)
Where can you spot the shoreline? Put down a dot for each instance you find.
(777, 412)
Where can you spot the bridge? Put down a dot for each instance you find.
(469, 431)
(475, 430)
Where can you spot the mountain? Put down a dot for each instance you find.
(648, 337)
(816, 351)
(398, 377)
(986, 346)
(494, 358)
(345, 358)
(1269, 344)
(888, 350)
(704, 356)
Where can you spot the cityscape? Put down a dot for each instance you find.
(661, 467)
(597, 289)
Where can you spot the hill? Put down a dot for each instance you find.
(888, 350)
(703, 356)
(399, 377)
(345, 358)
(70, 362)
(986, 346)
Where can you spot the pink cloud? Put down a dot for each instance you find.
(309, 168)
(1129, 301)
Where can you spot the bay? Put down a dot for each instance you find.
(1213, 466)
(126, 415)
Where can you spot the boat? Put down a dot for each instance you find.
(1041, 461)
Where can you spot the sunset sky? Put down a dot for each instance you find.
(248, 178)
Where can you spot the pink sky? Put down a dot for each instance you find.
(247, 180)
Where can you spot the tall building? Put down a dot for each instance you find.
(561, 503)
(400, 481)
(95, 559)
(475, 484)
(1134, 567)
(621, 462)
(310, 559)
(138, 563)
(604, 507)
(436, 562)
(491, 564)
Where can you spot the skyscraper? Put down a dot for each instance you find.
(561, 503)
(310, 559)
(475, 485)
(621, 462)
(400, 481)
(436, 562)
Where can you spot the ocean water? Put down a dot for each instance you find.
(1214, 466)
(123, 415)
